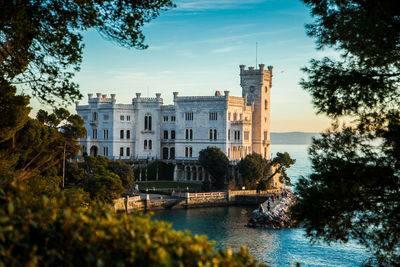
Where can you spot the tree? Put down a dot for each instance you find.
(104, 187)
(353, 192)
(41, 52)
(124, 171)
(253, 168)
(216, 163)
(257, 172)
(280, 164)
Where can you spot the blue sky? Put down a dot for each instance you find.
(197, 48)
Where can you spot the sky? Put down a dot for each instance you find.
(197, 48)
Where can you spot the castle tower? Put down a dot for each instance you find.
(256, 84)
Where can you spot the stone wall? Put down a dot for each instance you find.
(194, 200)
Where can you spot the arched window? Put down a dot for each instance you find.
(190, 152)
(215, 134)
(149, 123)
(121, 134)
(191, 134)
(145, 144)
(94, 116)
(187, 134)
(172, 153)
(186, 152)
(211, 134)
(150, 144)
(266, 104)
(145, 122)
(173, 134)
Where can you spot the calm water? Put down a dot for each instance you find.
(225, 225)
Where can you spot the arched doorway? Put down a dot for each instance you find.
(93, 151)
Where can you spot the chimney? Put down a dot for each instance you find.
(90, 96)
(226, 93)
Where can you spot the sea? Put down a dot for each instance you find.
(226, 227)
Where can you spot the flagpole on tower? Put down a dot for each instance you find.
(256, 54)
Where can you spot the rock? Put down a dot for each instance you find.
(276, 218)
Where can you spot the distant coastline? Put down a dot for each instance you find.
(293, 138)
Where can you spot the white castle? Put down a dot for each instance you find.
(147, 129)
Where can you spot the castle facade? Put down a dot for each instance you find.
(148, 129)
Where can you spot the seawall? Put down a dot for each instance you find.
(194, 200)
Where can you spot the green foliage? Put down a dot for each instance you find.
(124, 171)
(14, 109)
(57, 232)
(282, 162)
(74, 174)
(253, 169)
(354, 190)
(258, 172)
(216, 163)
(104, 187)
(41, 52)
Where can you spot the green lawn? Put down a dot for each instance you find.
(167, 184)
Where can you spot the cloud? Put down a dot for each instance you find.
(204, 5)
(225, 49)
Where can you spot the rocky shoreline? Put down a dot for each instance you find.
(277, 217)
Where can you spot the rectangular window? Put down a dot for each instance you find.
(190, 152)
(145, 144)
(265, 104)
(189, 116)
(191, 134)
(105, 151)
(229, 134)
(165, 134)
(128, 118)
(229, 116)
(128, 151)
(215, 134)
(173, 134)
(211, 134)
(105, 132)
(150, 144)
(94, 134)
(213, 116)
(173, 118)
(165, 118)
(121, 151)
(128, 134)
(94, 116)
(240, 116)
(265, 135)
(121, 134)
(186, 152)
(121, 117)
(187, 134)
(246, 136)
(238, 135)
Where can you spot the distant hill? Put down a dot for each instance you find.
(293, 138)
